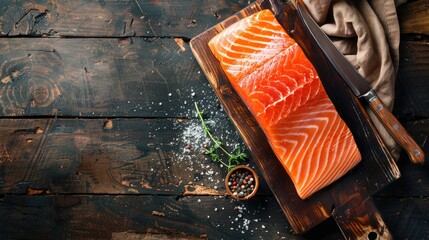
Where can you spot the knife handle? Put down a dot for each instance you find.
(395, 128)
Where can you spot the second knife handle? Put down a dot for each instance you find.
(395, 128)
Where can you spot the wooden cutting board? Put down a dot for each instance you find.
(348, 199)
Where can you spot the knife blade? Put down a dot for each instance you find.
(360, 86)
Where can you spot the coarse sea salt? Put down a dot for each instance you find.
(193, 135)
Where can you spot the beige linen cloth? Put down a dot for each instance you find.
(367, 33)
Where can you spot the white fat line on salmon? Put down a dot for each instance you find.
(283, 98)
(277, 35)
(323, 138)
(288, 151)
(303, 137)
(239, 60)
(265, 41)
(262, 48)
(228, 50)
(260, 20)
(264, 52)
(338, 153)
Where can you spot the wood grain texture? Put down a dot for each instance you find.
(74, 165)
(134, 156)
(100, 77)
(407, 218)
(168, 217)
(109, 217)
(414, 17)
(360, 219)
(106, 18)
(412, 85)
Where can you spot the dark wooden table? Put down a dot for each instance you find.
(97, 110)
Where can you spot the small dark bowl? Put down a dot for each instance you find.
(238, 169)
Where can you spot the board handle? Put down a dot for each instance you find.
(359, 220)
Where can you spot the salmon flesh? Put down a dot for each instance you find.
(282, 90)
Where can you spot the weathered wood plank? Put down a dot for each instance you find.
(414, 17)
(106, 217)
(123, 156)
(100, 77)
(412, 86)
(166, 217)
(414, 181)
(407, 218)
(144, 18)
(182, 18)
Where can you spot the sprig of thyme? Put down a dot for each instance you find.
(234, 157)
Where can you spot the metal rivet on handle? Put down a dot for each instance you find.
(379, 107)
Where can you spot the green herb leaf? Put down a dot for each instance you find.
(234, 157)
(231, 167)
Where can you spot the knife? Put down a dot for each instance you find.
(360, 87)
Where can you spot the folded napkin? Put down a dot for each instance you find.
(367, 33)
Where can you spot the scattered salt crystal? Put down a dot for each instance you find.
(186, 151)
(199, 200)
(170, 94)
(263, 226)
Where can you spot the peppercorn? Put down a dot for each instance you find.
(241, 182)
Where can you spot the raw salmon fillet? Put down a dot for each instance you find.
(281, 88)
